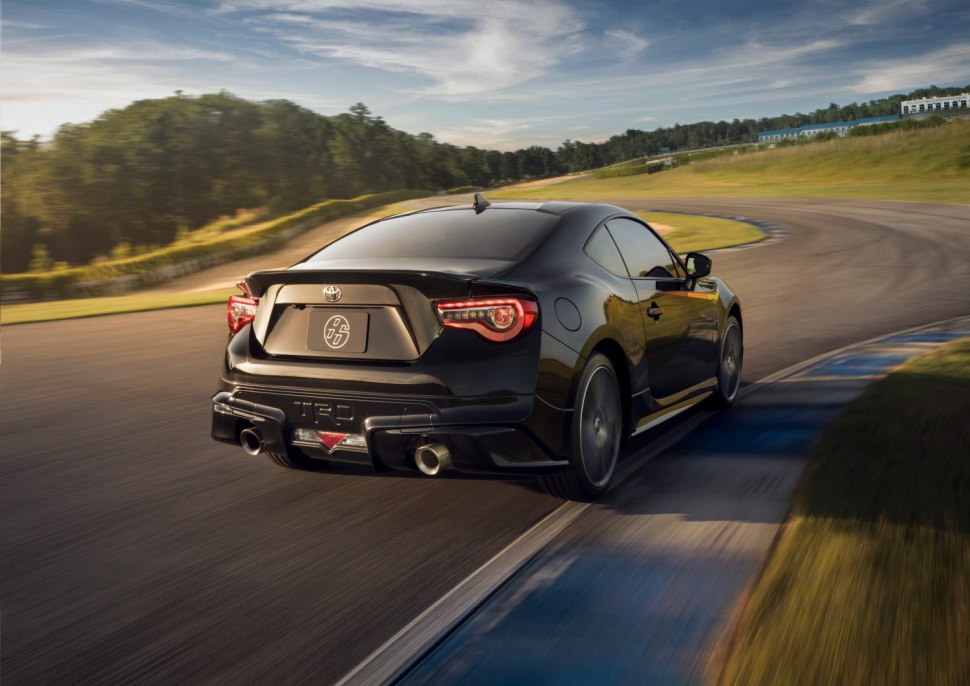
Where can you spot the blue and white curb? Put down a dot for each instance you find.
(874, 358)
(773, 232)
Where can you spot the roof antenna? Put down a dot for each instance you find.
(481, 202)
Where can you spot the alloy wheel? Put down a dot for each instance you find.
(600, 426)
(729, 372)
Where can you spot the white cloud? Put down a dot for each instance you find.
(883, 11)
(143, 52)
(463, 48)
(946, 65)
(22, 25)
(750, 65)
(44, 88)
(72, 78)
(96, 73)
(500, 134)
(170, 8)
(42, 94)
(626, 41)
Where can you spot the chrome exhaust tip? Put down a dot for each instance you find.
(251, 441)
(432, 458)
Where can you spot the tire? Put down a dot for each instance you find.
(730, 360)
(595, 435)
(294, 460)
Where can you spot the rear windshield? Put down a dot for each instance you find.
(495, 234)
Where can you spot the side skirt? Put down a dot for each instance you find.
(674, 406)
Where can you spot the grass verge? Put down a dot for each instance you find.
(694, 232)
(117, 304)
(931, 165)
(870, 581)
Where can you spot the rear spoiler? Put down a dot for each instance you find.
(447, 285)
(433, 284)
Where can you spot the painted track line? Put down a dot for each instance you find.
(410, 644)
(418, 638)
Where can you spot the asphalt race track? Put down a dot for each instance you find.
(132, 547)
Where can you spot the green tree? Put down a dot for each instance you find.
(40, 259)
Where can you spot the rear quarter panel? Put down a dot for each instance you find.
(564, 277)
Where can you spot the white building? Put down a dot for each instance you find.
(941, 105)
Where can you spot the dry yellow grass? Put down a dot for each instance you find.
(931, 165)
(870, 583)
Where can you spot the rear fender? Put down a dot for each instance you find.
(630, 376)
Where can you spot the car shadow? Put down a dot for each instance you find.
(749, 463)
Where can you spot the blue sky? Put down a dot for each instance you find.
(492, 73)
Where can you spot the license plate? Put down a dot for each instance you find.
(343, 331)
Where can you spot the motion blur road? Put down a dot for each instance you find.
(132, 547)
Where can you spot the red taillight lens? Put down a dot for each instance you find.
(242, 311)
(497, 319)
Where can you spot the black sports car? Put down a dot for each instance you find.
(513, 337)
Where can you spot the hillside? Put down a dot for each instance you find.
(931, 165)
(142, 176)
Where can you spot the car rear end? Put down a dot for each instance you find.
(423, 362)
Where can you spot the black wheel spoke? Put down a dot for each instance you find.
(599, 428)
(729, 368)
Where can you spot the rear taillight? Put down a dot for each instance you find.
(242, 311)
(497, 319)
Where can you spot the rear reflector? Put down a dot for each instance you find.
(242, 311)
(496, 319)
(331, 440)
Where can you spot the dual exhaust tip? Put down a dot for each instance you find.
(251, 441)
(431, 458)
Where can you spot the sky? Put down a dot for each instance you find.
(492, 73)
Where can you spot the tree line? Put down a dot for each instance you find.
(578, 156)
(143, 174)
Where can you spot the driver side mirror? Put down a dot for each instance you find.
(698, 265)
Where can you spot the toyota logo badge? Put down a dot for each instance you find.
(332, 294)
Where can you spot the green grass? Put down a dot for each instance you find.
(399, 207)
(931, 165)
(242, 218)
(629, 168)
(695, 233)
(118, 304)
(702, 155)
(870, 582)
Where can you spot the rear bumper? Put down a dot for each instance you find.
(394, 428)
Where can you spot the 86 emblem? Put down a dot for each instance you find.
(336, 332)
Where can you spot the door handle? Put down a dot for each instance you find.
(655, 311)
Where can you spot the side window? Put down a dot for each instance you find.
(603, 250)
(676, 267)
(645, 256)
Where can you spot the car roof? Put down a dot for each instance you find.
(555, 207)
(582, 216)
